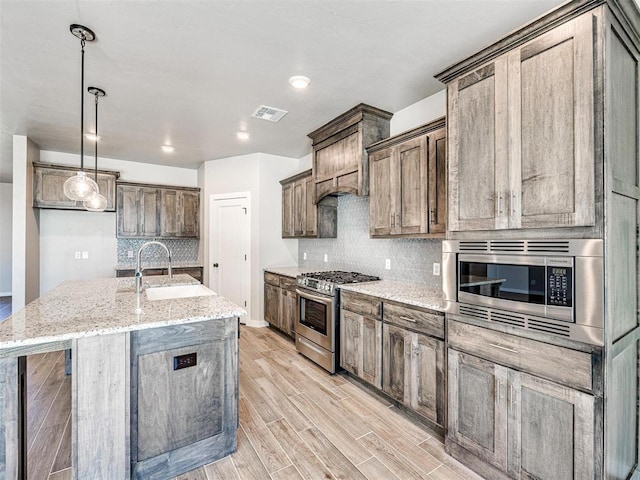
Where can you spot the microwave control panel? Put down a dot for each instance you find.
(560, 286)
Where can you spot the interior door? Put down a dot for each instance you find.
(229, 262)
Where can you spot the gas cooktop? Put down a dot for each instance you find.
(325, 282)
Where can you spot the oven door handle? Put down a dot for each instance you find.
(304, 294)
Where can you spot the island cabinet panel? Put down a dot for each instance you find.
(301, 217)
(182, 418)
(48, 182)
(408, 183)
(521, 135)
(339, 157)
(13, 441)
(100, 410)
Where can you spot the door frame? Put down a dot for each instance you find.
(213, 225)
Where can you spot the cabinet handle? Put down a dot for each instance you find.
(434, 216)
(393, 220)
(499, 389)
(358, 304)
(408, 319)
(512, 204)
(380, 309)
(500, 199)
(506, 349)
(398, 221)
(511, 396)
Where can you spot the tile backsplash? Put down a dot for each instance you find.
(183, 250)
(353, 250)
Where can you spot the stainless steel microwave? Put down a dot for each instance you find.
(552, 286)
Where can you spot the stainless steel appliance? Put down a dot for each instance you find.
(318, 315)
(552, 286)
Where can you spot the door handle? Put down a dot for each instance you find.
(215, 265)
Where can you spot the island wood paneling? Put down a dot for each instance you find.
(100, 387)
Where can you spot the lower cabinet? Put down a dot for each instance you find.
(195, 272)
(280, 302)
(413, 371)
(523, 425)
(361, 346)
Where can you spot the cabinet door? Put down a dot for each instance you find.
(478, 148)
(350, 341)
(272, 305)
(396, 355)
(311, 214)
(190, 214)
(288, 306)
(287, 210)
(477, 407)
(437, 193)
(427, 377)
(149, 212)
(410, 186)
(169, 217)
(299, 208)
(127, 211)
(381, 213)
(371, 347)
(551, 432)
(551, 115)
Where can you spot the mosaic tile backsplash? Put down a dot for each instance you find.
(411, 259)
(183, 250)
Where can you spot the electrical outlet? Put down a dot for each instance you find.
(436, 269)
(85, 255)
(326, 257)
(387, 264)
(78, 255)
(129, 253)
(304, 255)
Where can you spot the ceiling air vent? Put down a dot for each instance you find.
(269, 113)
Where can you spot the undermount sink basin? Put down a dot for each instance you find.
(178, 291)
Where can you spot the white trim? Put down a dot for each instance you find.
(5, 294)
(256, 323)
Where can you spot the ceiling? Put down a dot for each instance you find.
(191, 73)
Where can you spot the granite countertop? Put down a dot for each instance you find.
(409, 293)
(160, 264)
(108, 305)
(293, 271)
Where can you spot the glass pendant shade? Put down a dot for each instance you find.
(80, 187)
(96, 203)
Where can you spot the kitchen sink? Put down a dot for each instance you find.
(178, 291)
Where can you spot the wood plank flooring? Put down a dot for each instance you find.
(296, 422)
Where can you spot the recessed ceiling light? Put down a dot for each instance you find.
(167, 148)
(299, 81)
(92, 136)
(243, 135)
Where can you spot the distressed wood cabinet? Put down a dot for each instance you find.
(339, 150)
(280, 302)
(48, 182)
(195, 272)
(361, 337)
(408, 183)
(301, 217)
(155, 211)
(521, 134)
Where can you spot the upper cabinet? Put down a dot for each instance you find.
(339, 150)
(521, 132)
(301, 217)
(408, 183)
(155, 211)
(48, 181)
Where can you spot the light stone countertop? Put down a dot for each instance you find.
(409, 293)
(293, 272)
(103, 306)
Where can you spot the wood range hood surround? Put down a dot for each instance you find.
(340, 161)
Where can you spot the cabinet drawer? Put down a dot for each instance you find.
(418, 320)
(288, 283)
(566, 366)
(272, 279)
(361, 304)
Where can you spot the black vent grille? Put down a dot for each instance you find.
(509, 319)
(473, 246)
(548, 327)
(480, 313)
(548, 246)
(510, 246)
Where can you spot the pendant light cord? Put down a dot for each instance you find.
(96, 173)
(82, 42)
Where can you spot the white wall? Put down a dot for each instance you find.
(419, 113)
(259, 174)
(6, 202)
(64, 232)
(25, 269)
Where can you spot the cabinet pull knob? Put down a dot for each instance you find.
(434, 216)
(408, 319)
(506, 349)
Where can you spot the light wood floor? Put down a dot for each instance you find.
(296, 421)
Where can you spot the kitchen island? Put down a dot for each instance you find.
(154, 389)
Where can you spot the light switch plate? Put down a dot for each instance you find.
(78, 255)
(326, 257)
(387, 264)
(304, 255)
(129, 253)
(436, 269)
(85, 255)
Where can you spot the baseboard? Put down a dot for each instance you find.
(5, 294)
(254, 323)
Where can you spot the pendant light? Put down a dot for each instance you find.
(96, 201)
(80, 186)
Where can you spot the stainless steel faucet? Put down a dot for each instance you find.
(138, 263)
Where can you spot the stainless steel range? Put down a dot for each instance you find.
(318, 316)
